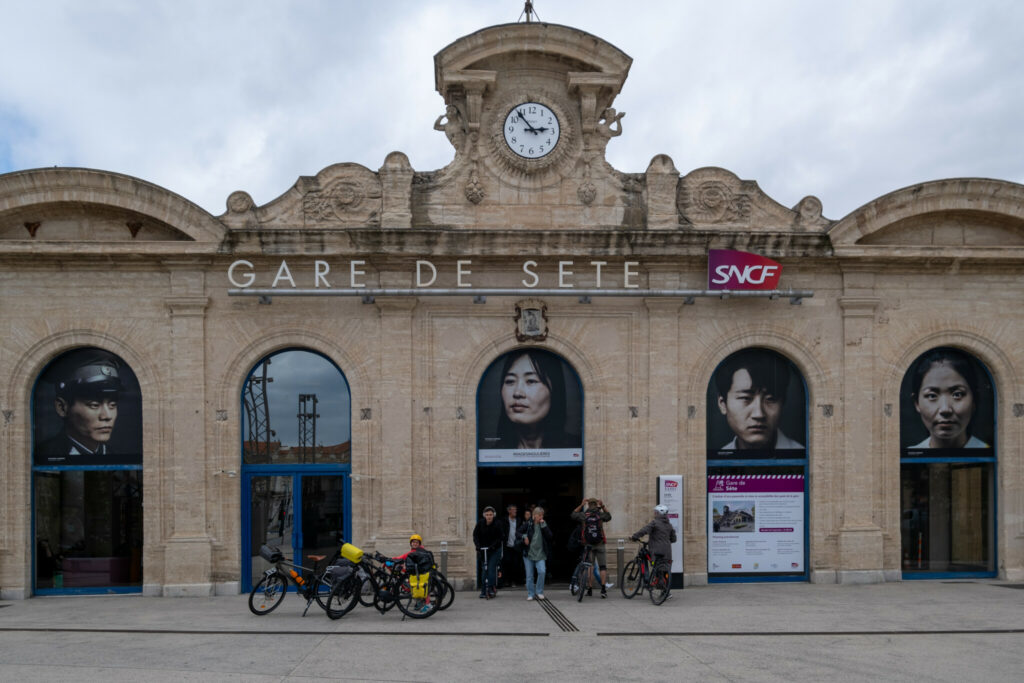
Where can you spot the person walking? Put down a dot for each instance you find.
(536, 539)
(511, 565)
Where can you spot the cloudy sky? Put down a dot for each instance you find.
(845, 100)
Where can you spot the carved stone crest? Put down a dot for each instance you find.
(531, 320)
(714, 201)
(347, 200)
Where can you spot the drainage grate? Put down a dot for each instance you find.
(557, 616)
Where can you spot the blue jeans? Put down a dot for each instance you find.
(542, 569)
(490, 572)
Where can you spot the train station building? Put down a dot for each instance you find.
(381, 352)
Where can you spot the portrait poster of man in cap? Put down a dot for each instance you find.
(87, 410)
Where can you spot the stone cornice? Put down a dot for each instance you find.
(859, 306)
(187, 306)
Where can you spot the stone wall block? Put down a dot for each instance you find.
(662, 181)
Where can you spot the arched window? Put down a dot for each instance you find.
(87, 475)
(757, 469)
(947, 466)
(296, 457)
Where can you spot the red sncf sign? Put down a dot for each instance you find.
(731, 269)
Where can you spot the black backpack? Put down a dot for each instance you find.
(419, 561)
(575, 539)
(592, 532)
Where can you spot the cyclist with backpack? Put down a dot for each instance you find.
(418, 560)
(592, 515)
(662, 536)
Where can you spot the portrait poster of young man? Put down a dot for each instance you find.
(756, 407)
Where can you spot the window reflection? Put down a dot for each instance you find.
(296, 410)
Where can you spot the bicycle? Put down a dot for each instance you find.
(381, 583)
(310, 583)
(641, 572)
(583, 576)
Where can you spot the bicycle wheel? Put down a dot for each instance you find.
(661, 585)
(632, 579)
(367, 594)
(321, 591)
(268, 594)
(584, 580)
(447, 594)
(575, 584)
(422, 605)
(343, 597)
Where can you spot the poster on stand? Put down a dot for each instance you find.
(756, 524)
(670, 494)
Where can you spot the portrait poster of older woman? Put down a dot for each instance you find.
(946, 403)
(529, 409)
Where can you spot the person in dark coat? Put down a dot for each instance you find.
(661, 536)
(511, 559)
(487, 539)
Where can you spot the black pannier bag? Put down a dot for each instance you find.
(339, 571)
(272, 555)
(419, 561)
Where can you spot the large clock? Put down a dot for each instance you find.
(531, 130)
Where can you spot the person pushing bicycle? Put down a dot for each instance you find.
(592, 515)
(662, 536)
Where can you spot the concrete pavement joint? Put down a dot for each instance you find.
(798, 634)
(228, 632)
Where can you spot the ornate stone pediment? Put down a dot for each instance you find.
(340, 196)
(716, 198)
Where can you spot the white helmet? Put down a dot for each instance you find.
(661, 509)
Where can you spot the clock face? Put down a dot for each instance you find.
(531, 130)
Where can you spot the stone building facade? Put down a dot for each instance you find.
(191, 304)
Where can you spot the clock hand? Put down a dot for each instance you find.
(523, 117)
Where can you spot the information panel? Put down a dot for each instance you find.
(670, 494)
(756, 524)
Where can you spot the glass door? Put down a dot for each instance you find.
(301, 513)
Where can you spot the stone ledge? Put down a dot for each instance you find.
(860, 576)
(188, 590)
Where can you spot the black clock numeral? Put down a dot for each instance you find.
(514, 140)
(549, 141)
(511, 129)
(531, 150)
(521, 147)
(533, 110)
(514, 119)
(542, 149)
(550, 122)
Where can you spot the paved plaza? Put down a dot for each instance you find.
(910, 631)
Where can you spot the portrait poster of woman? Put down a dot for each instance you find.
(529, 409)
(947, 404)
(756, 407)
(87, 410)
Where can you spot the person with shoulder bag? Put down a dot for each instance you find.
(535, 539)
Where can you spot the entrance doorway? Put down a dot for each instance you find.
(299, 512)
(557, 489)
